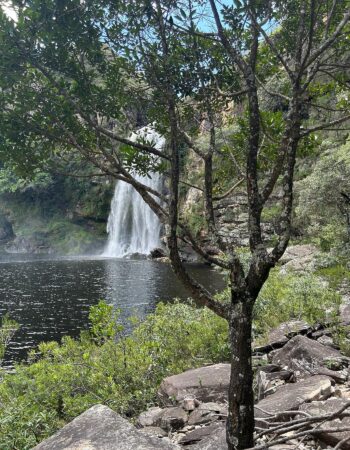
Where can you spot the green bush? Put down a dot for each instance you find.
(294, 296)
(321, 209)
(335, 275)
(8, 328)
(105, 366)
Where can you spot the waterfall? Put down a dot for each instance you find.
(132, 226)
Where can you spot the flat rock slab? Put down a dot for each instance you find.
(281, 335)
(207, 384)
(299, 257)
(100, 428)
(172, 419)
(306, 356)
(149, 418)
(298, 251)
(208, 412)
(291, 396)
(344, 311)
(199, 434)
(327, 407)
(216, 441)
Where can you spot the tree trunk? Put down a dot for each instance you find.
(240, 422)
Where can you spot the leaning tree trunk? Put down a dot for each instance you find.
(240, 422)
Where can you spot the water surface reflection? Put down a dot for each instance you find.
(51, 298)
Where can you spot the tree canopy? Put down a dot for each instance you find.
(74, 76)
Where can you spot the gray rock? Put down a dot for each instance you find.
(326, 407)
(207, 412)
(344, 311)
(270, 368)
(100, 428)
(215, 441)
(285, 375)
(291, 396)
(172, 419)
(305, 356)
(199, 434)
(205, 383)
(326, 340)
(270, 381)
(157, 253)
(298, 257)
(149, 417)
(281, 334)
(154, 431)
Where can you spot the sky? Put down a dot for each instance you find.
(5, 6)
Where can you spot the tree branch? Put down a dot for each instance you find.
(327, 43)
(325, 126)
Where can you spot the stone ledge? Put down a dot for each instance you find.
(100, 428)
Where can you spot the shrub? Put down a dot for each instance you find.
(294, 296)
(124, 373)
(322, 210)
(8, 328)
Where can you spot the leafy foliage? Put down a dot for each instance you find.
(105, 366)
(322, 210)
(8, 328)
(288, 296)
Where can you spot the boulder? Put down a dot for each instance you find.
(199, 434)
(298, 257)
(268, 382)
(207, 412)
(215, 441)
(157, 253)
(149, 417)
(305, 356)
(344, 311)
(327, 341)
(100, 428)
(280, 335)
(171, 419)
(298, 251)
(205, 383)
(326, 407)
(291, 396)
(270, 368)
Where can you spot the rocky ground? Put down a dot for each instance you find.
(302, 387)
(303, 402)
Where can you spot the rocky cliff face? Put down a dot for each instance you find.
(6, 230)
(63, 216)
(231, 214)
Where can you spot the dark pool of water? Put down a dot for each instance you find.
(51, 298)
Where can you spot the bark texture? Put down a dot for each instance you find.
(240, 423)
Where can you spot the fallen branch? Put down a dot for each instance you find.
(311, 432)
(340, 443)
(299, 424)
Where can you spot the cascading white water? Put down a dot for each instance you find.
(132, 226)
